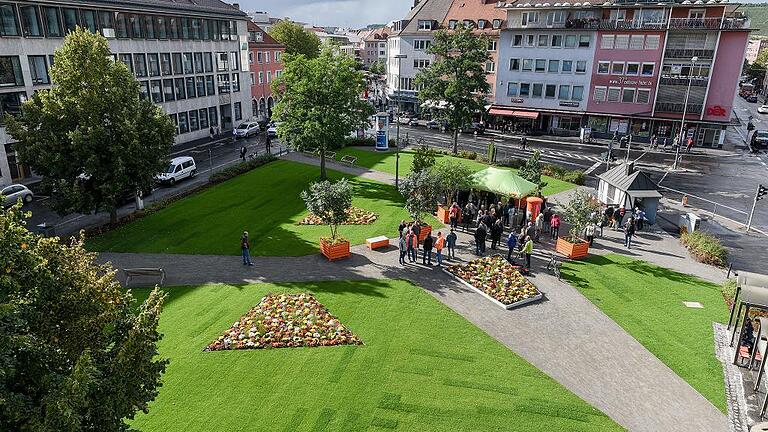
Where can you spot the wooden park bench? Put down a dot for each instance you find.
(131, 272)
(349, 160)
(330, 155)
(309, 154)
(377, 242)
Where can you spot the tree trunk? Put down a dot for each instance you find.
(456, 141)
(113, 215)
(323, 175)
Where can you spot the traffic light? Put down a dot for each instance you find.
(761, 192)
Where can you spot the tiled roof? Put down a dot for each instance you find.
(475, 10)
(434, 10)
(268, 40)
(208, 6)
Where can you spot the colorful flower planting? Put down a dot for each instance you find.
(497, 278)
(356, 216)
(285, 321)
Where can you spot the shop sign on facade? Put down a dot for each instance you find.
(716, 111)
(569, 104)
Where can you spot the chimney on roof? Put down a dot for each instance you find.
(630, 168)
(236, 6)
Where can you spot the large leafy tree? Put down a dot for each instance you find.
(455, 85)
(320, 101)
(76, 353)
(91, 137)
(296, 39)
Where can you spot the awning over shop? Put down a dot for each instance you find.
(502, 182)
(511, 113)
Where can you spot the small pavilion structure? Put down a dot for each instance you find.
(627, 187)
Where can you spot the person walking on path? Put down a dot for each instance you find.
(629, 231)
(243, 152)
(523, 142)
(554, 223)
(245, 247)
(589, 231)
(439, 245)
(689, 145)
(450, 243)
(453, 215)
(403, 248)
(511, 244)
(528, 251)
(426, 259)
(539, 225)
(410, 243)
(497, 229)
(480, 233)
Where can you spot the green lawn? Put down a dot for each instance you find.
(422, 368)
(647, 301)
(385, 161)
(266, 203)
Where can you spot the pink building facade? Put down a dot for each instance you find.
(265, 62)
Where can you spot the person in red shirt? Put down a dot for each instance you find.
(453, 215)
(554, 223)
(439, 244)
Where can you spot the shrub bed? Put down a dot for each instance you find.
(355, 216)
(241, 168)
(705, 248)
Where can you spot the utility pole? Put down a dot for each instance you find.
(629, 145)
(685, 112)
(759, 194)
(399, 58)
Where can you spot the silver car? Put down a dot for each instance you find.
(246, 129)
(12, 193)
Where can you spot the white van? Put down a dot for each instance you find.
(178, 169)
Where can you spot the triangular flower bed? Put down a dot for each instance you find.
(285, 321)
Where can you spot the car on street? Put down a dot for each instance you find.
(272, 130)
(410, 121)
(432, 124)
(12, 193)
(246, 130)
(473, 127)
(759, 140)
(763, 109)
(752, 98)
(178, 169)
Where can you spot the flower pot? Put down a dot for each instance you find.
(340, 250)
(572, 250)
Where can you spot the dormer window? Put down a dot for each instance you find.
(497, 24)
(452, 24)
(467, 23)
(259, 36)
(425, 25)
(481, 24)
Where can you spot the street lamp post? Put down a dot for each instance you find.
(399, 58)
(685, 112)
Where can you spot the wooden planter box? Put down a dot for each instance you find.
(425, 229)
(335, 252)
(572, 250)
(443, 214)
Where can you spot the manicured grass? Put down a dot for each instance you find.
(422, 368)
(647, 301)
(266, 203)
(385, 161)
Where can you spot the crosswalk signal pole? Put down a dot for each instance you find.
(761, 192)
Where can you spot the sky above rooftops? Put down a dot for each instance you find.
(338, 13)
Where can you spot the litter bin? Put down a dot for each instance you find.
(46, 230)
(689, 222)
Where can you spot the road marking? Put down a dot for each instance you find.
(591, 169)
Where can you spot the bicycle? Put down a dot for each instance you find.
(554, 265)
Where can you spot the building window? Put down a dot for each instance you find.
(213, 116)
(188, 63)
(88, 19)
(210, 85)
(134, 25)
(422, 44)
(570, 41)
(200, 84)
(622, 41)
(236, 82)
(178, 67)
(633, 68)
(189, 83)
(636, 42)
(517, 40)
(613, 94)
(648, 69)
(180, 93)
(252, 78)
(481, 23)
(121, 25)
(599, 94)
(550, 90)
(279, 56)
(490, 67)
(250, 57)
(606, 41)
(617, 68)
(208, 62)
(468, 24)
(525, 89)
(554, 66)
(168, 91)
(527, 18)
(156, 89)
(527, 65)
(198, 62)
(30, 20)
(543, 40)
(161, 27)
(530, 40)
(425, 25)
(557, 41)
(555, 18)
(652, 42)
(235, 60)
(541, 65)
(183, 122)
(628, 95)
(38, 70)
(512, 89)
(565, 92)
(53, 26)
(222, 64)
(203, 118)
(140, 65)
(238, 111)
(149, 26)
(193, 124)
(514, 64)
(584, 41)
(154, 64)
(269, 77)
(420, 63)
(567, 66)
(492, 45)
(603, 67)
(643, 96)
(581, 66)
(537, 90)
(127, 60)
(165, 64)
(496, 24)
(261, 77)
(107, 23)
(259, 57)
(143, 89)
(9, 22)
(223, 83)
(578, 93)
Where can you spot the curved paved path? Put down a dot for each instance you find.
(584, 349)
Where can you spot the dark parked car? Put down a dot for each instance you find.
(759, 140)
(473, 128)
(752, 98)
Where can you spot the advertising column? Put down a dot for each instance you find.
(382, 131)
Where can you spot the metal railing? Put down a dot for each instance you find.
(709, 23)
(689, 53)
(674, 107)
(683, 81)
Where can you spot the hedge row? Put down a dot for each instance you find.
(705, 248)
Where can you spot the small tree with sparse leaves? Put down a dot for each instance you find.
(531, 171)
(578, 213)
(330, 203)
(454, 177)
(421, 190)
(423, 158)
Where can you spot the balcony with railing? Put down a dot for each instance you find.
(708, 23)
(607, 24)
(686, 54)
(677, 108)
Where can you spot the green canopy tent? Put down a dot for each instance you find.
(502, 182)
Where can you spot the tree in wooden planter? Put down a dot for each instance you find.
(330, 202)
(578, 214)
(454, 177)
(421, 190)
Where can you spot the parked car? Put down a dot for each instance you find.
(433, 124)
(272, 130)
(246, 129)
(763, 109)
(473, 127)
(12, 193)
(752, 98)
(410, 121)
(178, 169)
(759, 140)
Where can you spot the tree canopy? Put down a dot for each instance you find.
(76, 354)
(532, 170)
(421, 190)
(329, 202)
(320, 102)
(91, 137)
(296, 39)
(455, 85)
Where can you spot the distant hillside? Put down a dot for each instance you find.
(758, 14)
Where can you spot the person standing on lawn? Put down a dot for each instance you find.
(497, 229)
(589, 231)
(511, 244)
(245, 247)
(426, 259)
(410, 243)
(629, 231)
(450, 242)
(480, 233)
(439, 245)
(403, 248)
(453, 215)
(554, 223)
(528, 251)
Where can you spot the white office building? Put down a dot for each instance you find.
(190, 58)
